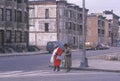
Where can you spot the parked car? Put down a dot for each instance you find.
(32, 48)
(51, 44)
(102, 47)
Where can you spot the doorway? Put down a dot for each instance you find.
(1, 37)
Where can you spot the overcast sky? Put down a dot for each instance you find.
(100, 5)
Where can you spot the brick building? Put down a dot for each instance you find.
(102, 28)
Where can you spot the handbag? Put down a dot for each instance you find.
(59, 57)
(62, 64)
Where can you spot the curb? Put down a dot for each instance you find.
(97, 70)
(22, 54)
(90, 69)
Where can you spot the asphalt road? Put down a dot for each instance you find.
(61, 76)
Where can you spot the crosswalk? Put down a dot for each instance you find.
(18, 74)
(25, 73)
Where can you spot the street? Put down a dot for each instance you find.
(36, 68)
(48, 75)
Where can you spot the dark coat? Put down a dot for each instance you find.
(68, 61)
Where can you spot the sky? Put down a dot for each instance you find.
(99, 5)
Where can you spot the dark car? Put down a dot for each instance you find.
(102, 47)
(51, 44)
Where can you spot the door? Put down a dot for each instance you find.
(1, 37)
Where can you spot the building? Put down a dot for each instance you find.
(13, 23)
(118, 40)
(102, 28)
(52, 20)
(95, 29)
(111, 16)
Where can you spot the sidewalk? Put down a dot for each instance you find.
(98, 64)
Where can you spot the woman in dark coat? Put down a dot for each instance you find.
(67, 57)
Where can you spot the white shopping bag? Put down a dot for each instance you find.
(52, 57)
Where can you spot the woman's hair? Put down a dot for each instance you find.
(66, 45)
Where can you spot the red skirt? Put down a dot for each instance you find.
(56, 61)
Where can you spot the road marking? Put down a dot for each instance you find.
(22, 73)
(13, 74)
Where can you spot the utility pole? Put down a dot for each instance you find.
(84, 61)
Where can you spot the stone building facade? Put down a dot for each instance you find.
(55, 21)
(14, 23)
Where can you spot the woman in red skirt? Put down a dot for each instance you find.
(57, 58)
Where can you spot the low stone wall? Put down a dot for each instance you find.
(112, 57)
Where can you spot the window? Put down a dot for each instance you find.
(61, 12)
(70, 25)
(8, 36)
(109, 33)
(9, 0)
(26, 1)
(8, 15)
(98, 31)
(80, 16)
(1, 14)
(74, 40)
(66, 25)
(15, 12)
(81, 29)
(74, 26)
(19, 1)
(46, 13)
(99, 22)
(15, 38)
(19, 16)
(103, 31)
(103, 23)
(46, 27)
(25, 17)
(25, 36)
(69, 14)
(19, 36)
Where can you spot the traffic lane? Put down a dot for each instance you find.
(24, 62)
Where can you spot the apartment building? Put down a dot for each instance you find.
(13, 23)
(110, 15)
(53, 20)
(95, 29)
(118, 41)
(103, 28)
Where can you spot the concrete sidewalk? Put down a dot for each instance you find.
(98, 64)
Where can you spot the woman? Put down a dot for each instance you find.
(67, 57)
(57, 58)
